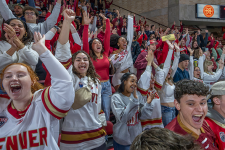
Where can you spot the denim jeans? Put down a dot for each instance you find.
(106, 98)
(168, 114)
(120, 147)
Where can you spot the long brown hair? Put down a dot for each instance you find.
(91, 51)
(27, 38)
(36, 85)
(91, 69)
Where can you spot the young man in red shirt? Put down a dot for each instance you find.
(191, 102)
(216, 115)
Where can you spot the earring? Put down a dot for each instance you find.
(25, 34)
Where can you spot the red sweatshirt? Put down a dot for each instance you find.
(101, 65)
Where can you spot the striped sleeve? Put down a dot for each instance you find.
(144, 81)
(159, 79)
(50, 107)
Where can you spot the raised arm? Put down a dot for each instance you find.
(191, 65)
(167, 62)
(130, 30)
(63, 53)
(176, 60)
(60, 95)
(52, 19)
(5, 11)
(107, 35)
(144, 81)
(86, 21)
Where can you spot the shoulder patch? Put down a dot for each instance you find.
(3, 120)
(222, 136)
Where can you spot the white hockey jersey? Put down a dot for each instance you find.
(124, 60)
(82, 128)
(34, 131)
(155, 120)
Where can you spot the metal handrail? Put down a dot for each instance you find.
(140, 15)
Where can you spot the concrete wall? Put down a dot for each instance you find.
(156, 10)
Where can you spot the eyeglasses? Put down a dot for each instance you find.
(29, 13)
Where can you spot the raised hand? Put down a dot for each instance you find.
(221, 64)
(149, 57)
(39, 43)
(177, 47)
(86, 18)
(190, 51)
(171, 46)
(150, 97)
(9, 30)
(69, 15)
(103, 16)
(11, 41)
(135, 93)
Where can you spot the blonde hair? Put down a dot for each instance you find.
(36, 85)
(171, 78)
(206, 64)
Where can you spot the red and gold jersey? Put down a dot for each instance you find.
(34, 129)
(219, 130)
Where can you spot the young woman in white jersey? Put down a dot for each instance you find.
(82, 128)
(147, 86)
(194, 71)
(206, 66)
(121, 58)
(129, 108)
(166, 86)
(27, 121)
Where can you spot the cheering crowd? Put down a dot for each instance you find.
(74, 75)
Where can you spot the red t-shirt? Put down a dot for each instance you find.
(102, 68)
(219, 130)
(206, 138)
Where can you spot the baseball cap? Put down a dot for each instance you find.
(217, 89)
(151, 42)
(19, 5)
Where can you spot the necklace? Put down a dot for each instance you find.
(21, 109)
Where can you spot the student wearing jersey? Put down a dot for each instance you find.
(148, 86)
(28, 119)
(82, 128)
(194, 70)
(129, 108)
(121, 58)
(191, 102)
